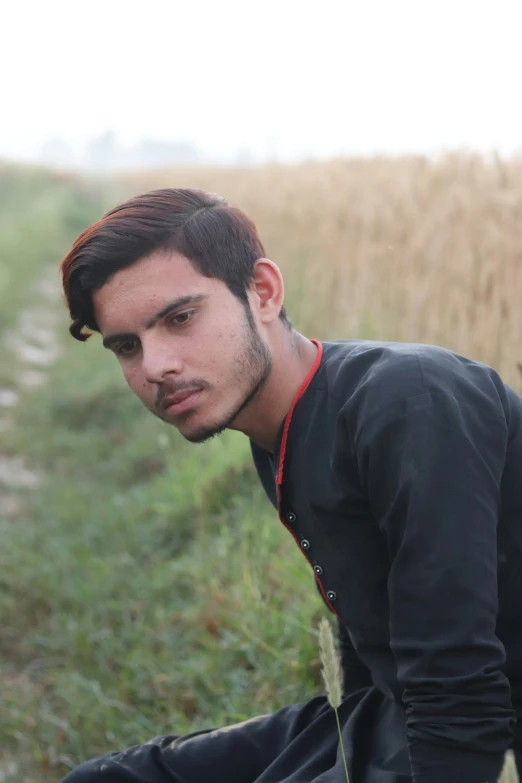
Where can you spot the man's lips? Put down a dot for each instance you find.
(176, 400)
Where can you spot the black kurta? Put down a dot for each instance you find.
(398, 471)
(402, 483)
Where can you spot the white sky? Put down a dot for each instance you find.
(319, 78)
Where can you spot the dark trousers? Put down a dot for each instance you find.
(296, 744)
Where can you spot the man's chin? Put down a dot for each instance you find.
(192, 432)
(195, 431)
(201, 434)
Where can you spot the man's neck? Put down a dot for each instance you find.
(292, 360)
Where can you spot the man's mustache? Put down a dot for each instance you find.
(168, 389)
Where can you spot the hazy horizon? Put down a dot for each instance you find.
(277, 81)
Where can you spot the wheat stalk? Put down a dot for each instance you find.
(331, 671)
(509, 772)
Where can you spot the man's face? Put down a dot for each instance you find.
(184, 343)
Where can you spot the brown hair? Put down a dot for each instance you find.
(219, 240)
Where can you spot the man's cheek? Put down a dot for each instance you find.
(136, 383)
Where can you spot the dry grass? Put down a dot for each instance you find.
(403, 249)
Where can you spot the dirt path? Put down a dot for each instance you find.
(34, 348)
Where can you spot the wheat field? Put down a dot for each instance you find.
(402, 249)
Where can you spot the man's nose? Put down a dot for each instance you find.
(159, 360)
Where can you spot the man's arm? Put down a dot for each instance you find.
(432, 467)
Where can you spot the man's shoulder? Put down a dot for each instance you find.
(388, 367)
(369, 376)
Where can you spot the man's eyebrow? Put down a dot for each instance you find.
(181, 301)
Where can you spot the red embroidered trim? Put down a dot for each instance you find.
(282, 453)
(290, 413)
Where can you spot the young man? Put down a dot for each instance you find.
(396, 467)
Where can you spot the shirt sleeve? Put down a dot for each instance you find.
(432, 467)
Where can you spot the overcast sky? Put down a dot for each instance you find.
(295, 78)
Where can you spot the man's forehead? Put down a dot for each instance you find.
(159, 268)
(140, 290)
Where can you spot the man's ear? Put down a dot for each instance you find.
(268, 289)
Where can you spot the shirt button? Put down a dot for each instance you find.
(331, 595)
(291, 517)
(305, 543)
(318, 569)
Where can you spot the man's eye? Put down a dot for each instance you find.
(126, 348)
(182, 318)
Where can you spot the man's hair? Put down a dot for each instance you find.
(220, 241)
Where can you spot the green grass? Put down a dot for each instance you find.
(146, 586)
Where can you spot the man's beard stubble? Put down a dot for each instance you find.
(254, 363)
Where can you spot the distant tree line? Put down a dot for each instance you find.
(105, 152)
